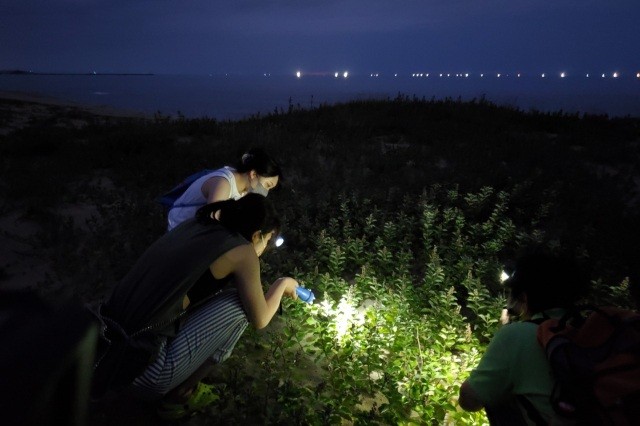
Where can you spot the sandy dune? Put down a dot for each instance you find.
(19, 110)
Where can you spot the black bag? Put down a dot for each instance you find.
(120, 358)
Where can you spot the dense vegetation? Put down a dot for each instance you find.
(399, 214)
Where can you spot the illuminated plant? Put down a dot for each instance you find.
(406, 304)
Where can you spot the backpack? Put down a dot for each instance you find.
(594, 354)
(169, 198)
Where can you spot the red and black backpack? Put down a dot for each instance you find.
(594, 354)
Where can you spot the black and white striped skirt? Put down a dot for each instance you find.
(210, 332)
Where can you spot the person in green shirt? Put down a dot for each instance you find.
(513, 381)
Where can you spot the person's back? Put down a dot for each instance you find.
(193, 198)
(153, 289)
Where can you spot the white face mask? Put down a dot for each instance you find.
(259, 189)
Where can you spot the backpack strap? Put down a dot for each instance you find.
(531, 410)
(174, 206)
(169, 198)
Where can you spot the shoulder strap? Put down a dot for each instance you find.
(531, 410)
(174, 206)
(169, 198)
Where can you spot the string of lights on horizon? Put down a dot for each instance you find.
(563, 74)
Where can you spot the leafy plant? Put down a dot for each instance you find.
(406, 273)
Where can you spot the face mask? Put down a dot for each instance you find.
(259, 189)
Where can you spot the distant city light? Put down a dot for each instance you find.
(395, 75)
(298, 74)
(603, 75)
(518, 75)
(638, 75)
(587, 75)
(466, 75)
(481, 75)
(345, 74)
(427, 74)
(499, 75)
(615, 75)
(543, 75)
(562, 75)
(448, 75)
(336, 74)
(440, 74)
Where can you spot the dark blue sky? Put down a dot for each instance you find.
(281, 36)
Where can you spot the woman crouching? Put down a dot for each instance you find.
(168, 322)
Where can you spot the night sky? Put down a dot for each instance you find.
(282, 36)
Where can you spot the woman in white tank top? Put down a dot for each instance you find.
(255, 172)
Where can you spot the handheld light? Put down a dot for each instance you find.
(305, 294)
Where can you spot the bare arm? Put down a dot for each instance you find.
(215, 189)
(242, 262)
(468, 399)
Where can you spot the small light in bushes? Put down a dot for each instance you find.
(504, 276)
(279, 241)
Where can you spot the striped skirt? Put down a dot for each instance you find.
(210, 332)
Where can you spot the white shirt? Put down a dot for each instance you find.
(194, 198)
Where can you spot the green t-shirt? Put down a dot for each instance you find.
(515, 364)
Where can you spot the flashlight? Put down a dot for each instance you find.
(305, 294)
(279, 241)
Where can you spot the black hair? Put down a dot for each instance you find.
(257, 159)
(249, 214)
(548, 281)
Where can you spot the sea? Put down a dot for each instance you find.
(234, 97)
